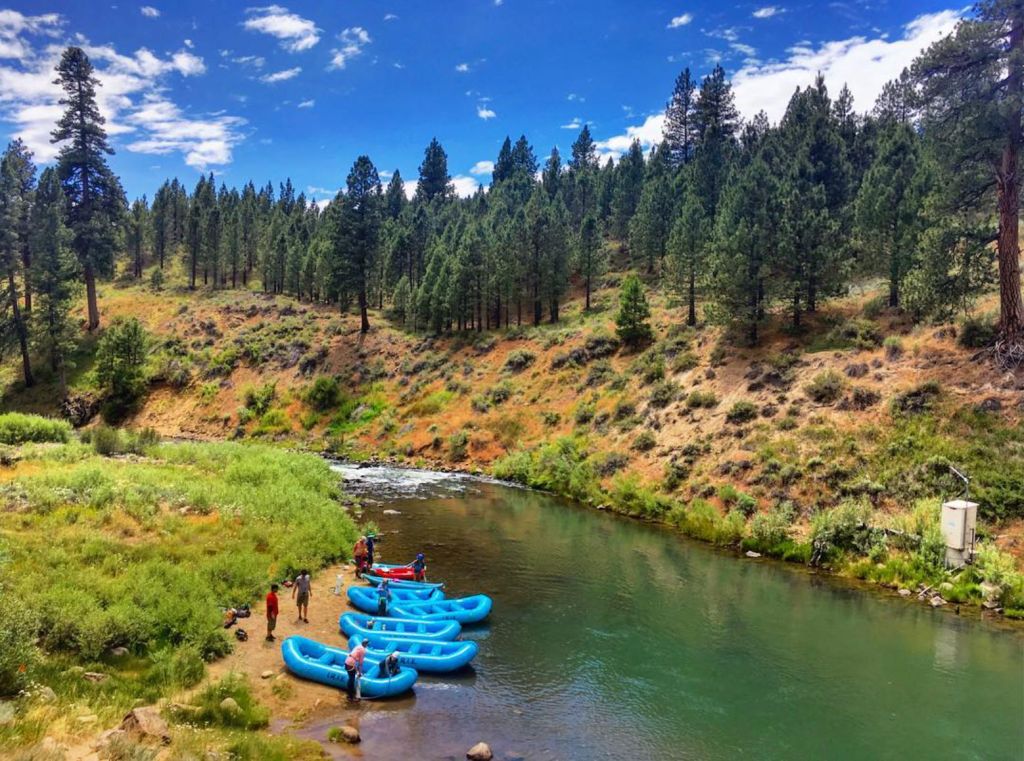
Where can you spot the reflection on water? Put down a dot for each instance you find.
(612, 639)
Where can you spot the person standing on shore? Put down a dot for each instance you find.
(371, 540)
(419, 567)
(354, 667)
(383, 597)
(302, 590)
(359, 556)
(271, 612)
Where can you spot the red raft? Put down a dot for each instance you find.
(393, 572)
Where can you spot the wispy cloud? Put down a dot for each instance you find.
(482, 167)
(462, 68)
(768, 11)
(294, 32)
(681, 20)
(649, 133)
(14, 25)
(353, 40)
(485, 113)
(391, 17)
(281, 76)
(149, 11)
(307, 103)
(256, 61)
(574, 124)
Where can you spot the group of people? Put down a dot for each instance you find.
(302, 591)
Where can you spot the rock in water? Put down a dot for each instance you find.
(752, 554)
(480, 752)
(904, 593)
(147, 722)
(350, 734)
(230, 705)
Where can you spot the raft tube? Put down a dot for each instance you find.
(374, 579)
(398, 628)
(465, 610)
(393, 571)
(309, 659)
(365, 598)
(425, 655)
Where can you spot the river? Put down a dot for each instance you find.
(612, 639)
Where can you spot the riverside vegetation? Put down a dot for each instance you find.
(776, 338)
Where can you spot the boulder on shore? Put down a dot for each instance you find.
(480, 752)
(230, 705)
(350, 734)
(147, 723)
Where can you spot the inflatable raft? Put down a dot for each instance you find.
(309, 659)
(393, 571)
(424, 655)
(398, 628)
(365, 598)
(374, 579)
(465, 610)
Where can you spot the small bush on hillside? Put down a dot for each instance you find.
(458, 443)
(838, 529)
(584, 413)
(609, 464)
(18, 652)
(18, 428)
(500, 393)
(480, 403)
(259, 398)
(770, 529)
(108, 441)
(874, 307)
(507, 428)
(249, 715)
(676, 471)
(893, 347)
(323, 395)
(121, 366)
(600, 345)
(860, 334)
(600, 372)
(826, 387)
(632, 323)
(684, 361)
(741, 412)
(644, 442)
(916, 400)
(156, 279)
(624, 408)
(702, 399)
(550, 419)
(977, 332)
(518, 360)
(630, 496)
(664, 394)
(650, 367)
(861, 398)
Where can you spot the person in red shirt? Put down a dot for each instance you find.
(271, 612)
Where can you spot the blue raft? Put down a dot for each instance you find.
(424, 655)
(465, 610)
(365, 598)
(398, 628)
(372, 578)
(309, 659)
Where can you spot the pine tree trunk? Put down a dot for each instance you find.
(192, 274)
(364, 320)
(90, 296)
(20, 329)
(587, 307)
(691, 298)
(26, 261)
(1011, 308)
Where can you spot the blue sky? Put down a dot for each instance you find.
(301, 89)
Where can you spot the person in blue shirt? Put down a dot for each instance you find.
(371, 539)
(419, 567)
(383, 597)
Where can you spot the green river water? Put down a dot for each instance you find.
(612, 639)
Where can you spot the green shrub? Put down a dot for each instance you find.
(501, 393)
(644, 442)
(624, 409)
(18, 428)
(977, 332)
(771, 529)
(650, 367)
(893, 347)
(702, 521)
(584, 413)
(702, 399)
(559, 466)
(840, 528)
(324, 394)
(919, 399)
(630, 496)
(18, 654)
(458, 443)
(632, 323)
(741, 412)
(826, 387)
(550, 419)
(250, 715)
(518, 360)
(121, 365)
(857, 333)
(507, 428)
(259, 398)
(108, 441)
(664, 394)
(480, 403)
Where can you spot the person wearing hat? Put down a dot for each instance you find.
(354, 667)
(359, 556)
(419, 567)
(383, 597)
(371, 540)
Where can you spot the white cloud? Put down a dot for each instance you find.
(149, 11)
(256, 61)
(132, 98)
(574, 97)
(391, 17)
(681, 20)
(485, 113)
(13, 25)
(294, 32)
(281, 76)
(746, 50)
(462, 68)
(768, 11)
(574, 124)
(353, 40)
(307, 103)
(863, 64)
(649, 133)
(464, 186)
(482, 167)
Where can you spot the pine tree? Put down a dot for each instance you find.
(358, 232)
(649, 228)
(503, 166)
(889, 207)
(551, 179)
(632, 323)
(12, 202)
(54, 276)
(680, 129)
(590, 259)
(628, 187)
(20, 159)
(972, 87)
(895, 104)
(138, 234)
(394, 198)
(96, 204)
(715, 115)
(434, 181)
(687, 248)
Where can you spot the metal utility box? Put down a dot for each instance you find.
(959, 523)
